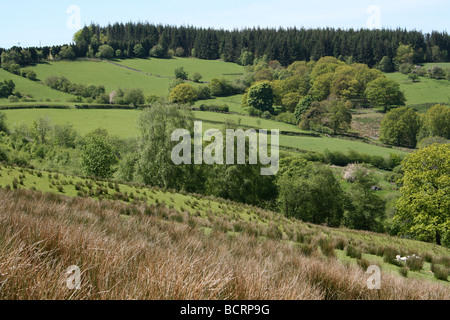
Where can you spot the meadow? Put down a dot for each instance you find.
(123, 123)
(209, 69)
(426, 90)
(35, 90)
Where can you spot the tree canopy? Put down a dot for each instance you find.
(424, 207)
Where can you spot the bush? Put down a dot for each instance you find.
(405, 68)
(215, 108)
(13, 99)
(3, 126)
(196, 77)
(105, 52)
(440, 272)
(354, 252)
(404, 271)
(3, 155)
(203, 93)
(363, 263)
(287, 117)
(181, 74)
(30, 74)
(390, 256)
(414, 263)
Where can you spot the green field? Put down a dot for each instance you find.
(445, 65)
(209, 69)
(113, 76)
(102, 73)
(123, 123)
(425, 91)
(37, 91)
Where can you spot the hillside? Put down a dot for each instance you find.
(285, 258)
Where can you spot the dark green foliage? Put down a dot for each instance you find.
(6, 88)
(303, 106)
(98, 156)
(3, 126)
(354, 252)
(309, 192)
(440, 272)
(400, 127)
(158, 51)
(214, 108)
(106, 52)
(139, 51)
(63, 84)
(261, 97)
(180, 73)
(365, 209)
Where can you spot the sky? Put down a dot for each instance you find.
(52, 22)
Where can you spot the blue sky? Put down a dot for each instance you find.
(44, 22)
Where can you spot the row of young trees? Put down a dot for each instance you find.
(240, 46)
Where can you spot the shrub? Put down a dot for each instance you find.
(13, 99)
(327, 247)
(287, 117)
(215, 108)
(363, 263)
(196, 77)
(390, 256)
(414, 263)
(354, 252)
(404, 271)
(180, 73)
(440, 272)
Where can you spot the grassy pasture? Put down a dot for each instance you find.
(123, 123)
(209, 69)
(102, 73)
(425, 91)
(38, 92)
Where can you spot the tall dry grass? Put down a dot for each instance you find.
(148, 255)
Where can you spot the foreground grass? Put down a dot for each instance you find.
(210, 217)
(148, 256)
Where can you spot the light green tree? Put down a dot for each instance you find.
(437, 121)
(386, 93)
(423, 210)
(184, 94)
(98, 156)
(400, 127)
(154, 165)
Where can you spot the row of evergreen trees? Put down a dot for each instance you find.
(285, 45)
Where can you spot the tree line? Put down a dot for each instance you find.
(285, 45)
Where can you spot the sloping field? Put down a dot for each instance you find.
(123, 123)
(209, 69)
(38, 92)
(425, 91)
(156, 248)
(103, 73)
